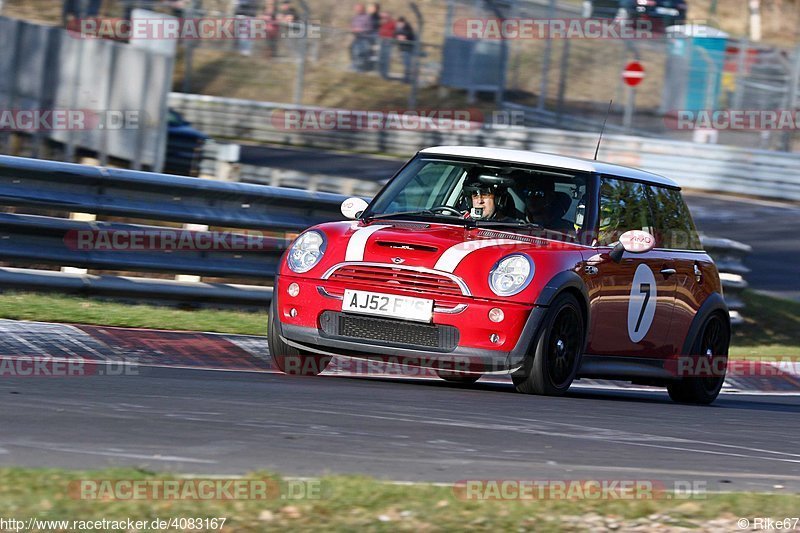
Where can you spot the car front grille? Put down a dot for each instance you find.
(381, 278)
(383, 331)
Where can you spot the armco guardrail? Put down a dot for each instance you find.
(760, 173)
(127, 193)
(65, 187)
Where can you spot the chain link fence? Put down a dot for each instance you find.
(297, 53)
(568, 80)
(561, 82)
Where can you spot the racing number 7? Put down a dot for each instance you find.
(644, 288)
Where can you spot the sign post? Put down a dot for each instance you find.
(632, 75)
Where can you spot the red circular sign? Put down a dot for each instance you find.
(633, 73)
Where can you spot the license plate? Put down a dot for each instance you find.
(390, 305)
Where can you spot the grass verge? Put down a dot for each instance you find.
(771, 328)
(81, 310)
(343, 503)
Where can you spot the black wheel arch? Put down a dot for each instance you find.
(566, 281)
(715, 303)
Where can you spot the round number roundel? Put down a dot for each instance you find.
(642, 303)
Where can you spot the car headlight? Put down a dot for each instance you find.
(511, 274)
(306, 251)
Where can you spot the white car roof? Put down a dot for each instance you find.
(550, 160)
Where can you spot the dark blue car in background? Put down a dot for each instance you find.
(184, 146)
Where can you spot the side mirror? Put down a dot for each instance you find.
(635, 242)
(353, 207)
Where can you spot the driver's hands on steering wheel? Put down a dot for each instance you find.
(446, 208)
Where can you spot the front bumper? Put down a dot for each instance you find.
(300, 320)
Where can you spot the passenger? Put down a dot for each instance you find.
(546, 207)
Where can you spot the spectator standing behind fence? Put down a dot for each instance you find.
(360, 25)
(405, 37)
(287, 14)
(386, 40)
(271, 26)
(74, 10)
(289, 24)
(245, 11)
(374, 12)
(177, 7)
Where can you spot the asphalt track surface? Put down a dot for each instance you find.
(771, 228)
(198, 421)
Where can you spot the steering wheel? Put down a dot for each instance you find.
(451, 210)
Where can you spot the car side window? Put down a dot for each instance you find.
(624, 206)
(673, 222)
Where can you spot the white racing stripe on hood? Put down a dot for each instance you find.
(453, 255)
(358, 242)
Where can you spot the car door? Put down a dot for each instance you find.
(675, 233)
(631, 301)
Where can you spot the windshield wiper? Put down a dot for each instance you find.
(402, 213)
(498, 223)
(421, 212)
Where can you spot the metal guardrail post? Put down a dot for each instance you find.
(791, 97)
(299, 83)
(548, 51)
(412, 97)
(741, 63)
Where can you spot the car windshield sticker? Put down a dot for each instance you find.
(358, 242)
(642, 303)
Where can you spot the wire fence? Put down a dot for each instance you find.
(296, 53)
(564, 82)
(692, 70)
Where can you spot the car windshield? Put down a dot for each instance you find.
(486, 194)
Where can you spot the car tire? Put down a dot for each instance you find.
(289, 359)
(458, 377)
(556, 351)
(714, 339)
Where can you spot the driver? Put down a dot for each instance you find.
(487, 200)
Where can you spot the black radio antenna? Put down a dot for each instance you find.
(602, 129)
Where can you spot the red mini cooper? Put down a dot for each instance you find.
(475, 261)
